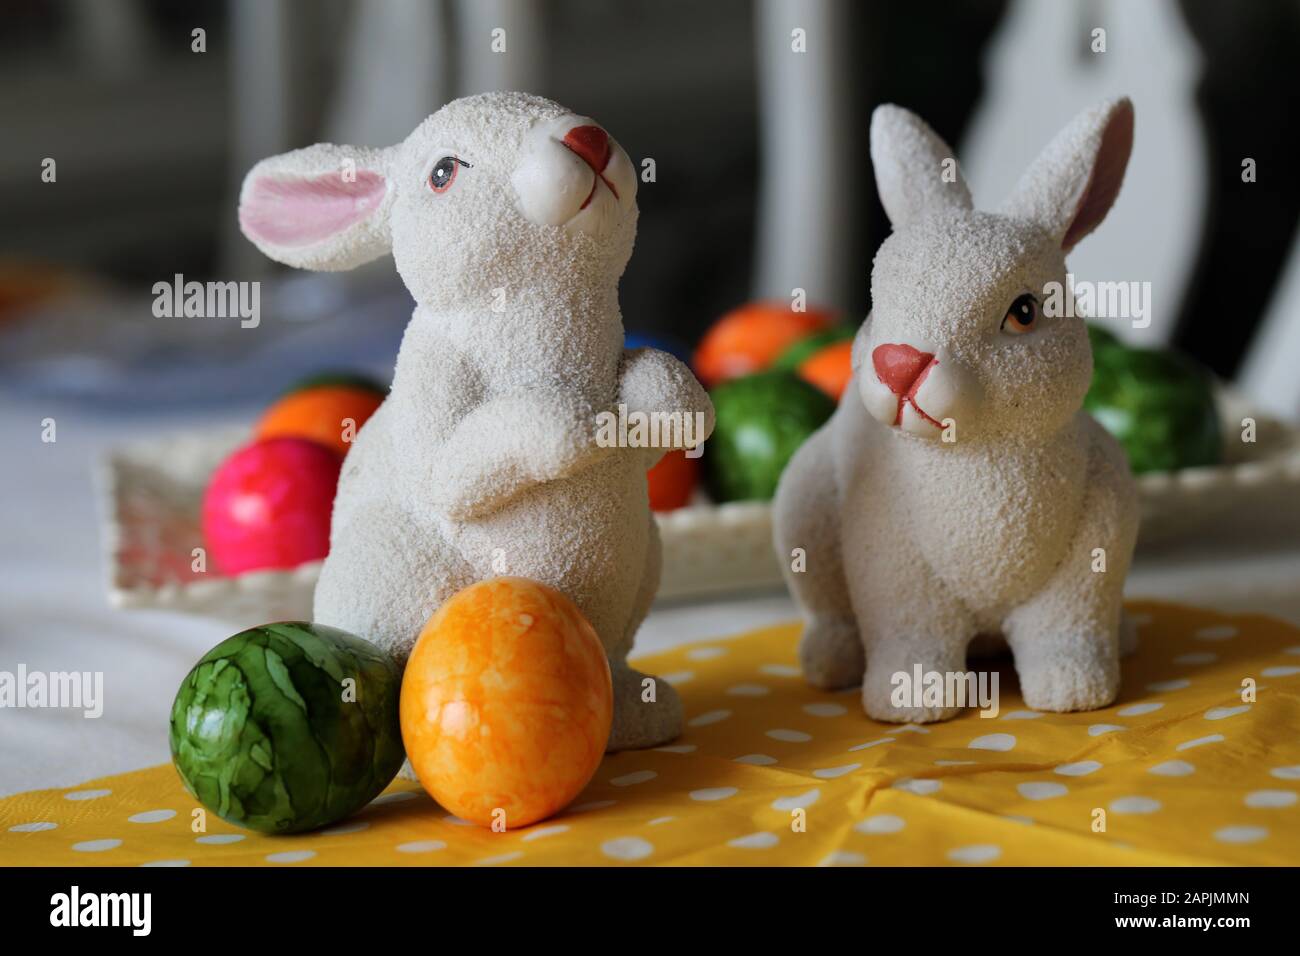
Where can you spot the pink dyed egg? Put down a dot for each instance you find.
(268, 505)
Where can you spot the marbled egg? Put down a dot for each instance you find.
(506, 703)
(288, 726)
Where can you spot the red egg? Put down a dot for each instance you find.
(268, 505)
(672, 480)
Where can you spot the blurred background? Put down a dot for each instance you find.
(763, 182)
(128, 126)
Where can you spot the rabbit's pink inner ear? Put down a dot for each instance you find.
(1107, 175)
(300, 211)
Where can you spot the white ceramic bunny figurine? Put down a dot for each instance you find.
(510, 220)
(959, 490)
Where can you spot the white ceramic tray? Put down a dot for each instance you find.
(152, 491)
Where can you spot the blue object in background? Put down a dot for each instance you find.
(639, 340)
(112, 353)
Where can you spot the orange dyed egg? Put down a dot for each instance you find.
(749, 339)
(329, 414)
(506, 703)
(672, 480)
(829, 369)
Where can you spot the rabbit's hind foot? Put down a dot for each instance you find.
(1063, 674)
(1128, 634)
(647, 710)
(830, 652)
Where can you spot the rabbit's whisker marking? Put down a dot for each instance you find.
(916, 387)
(599, 171)
(909, 397)
(595, 184)
(917, 408)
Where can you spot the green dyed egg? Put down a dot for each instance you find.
(1160, 405)
(761, 422)
(288, 726)
(1103, 341)
(804, 349)
(339, 379)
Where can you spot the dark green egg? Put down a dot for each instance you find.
(804, 349)
(288, 727)
(1103, 342)
(1159, 404)
(761, 422)
(337, 379)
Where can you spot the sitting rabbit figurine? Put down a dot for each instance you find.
(510, 220)
(959, 490)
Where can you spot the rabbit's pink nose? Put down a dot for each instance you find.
(900, 366)
(591, 143)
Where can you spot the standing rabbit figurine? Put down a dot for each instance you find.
(959, 489)
(510, 220)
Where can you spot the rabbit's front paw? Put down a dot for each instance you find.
(454, 503)
(653, 382)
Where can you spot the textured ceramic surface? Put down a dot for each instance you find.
(288, 727)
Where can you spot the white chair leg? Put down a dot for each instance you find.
(262, 64)
(394, 70)
(511, 59)
(1268, 374)
(810, 169)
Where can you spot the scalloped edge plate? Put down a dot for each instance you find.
(150, 494)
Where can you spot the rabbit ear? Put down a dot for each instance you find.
(1071, 186)
(916, 172)
(325, 207)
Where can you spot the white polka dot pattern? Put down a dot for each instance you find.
(772, 771)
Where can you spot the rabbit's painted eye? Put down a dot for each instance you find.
(1022, 317)
(444, 173)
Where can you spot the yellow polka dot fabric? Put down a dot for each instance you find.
(1188, 767)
